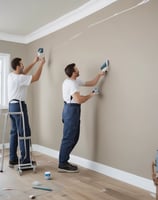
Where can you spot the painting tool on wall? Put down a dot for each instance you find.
(40, 52)
(96, 91)
(105, 66)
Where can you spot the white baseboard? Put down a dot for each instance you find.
(120, 175)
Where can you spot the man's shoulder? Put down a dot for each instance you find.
(70, 81)
(67, 82)
(11, 74)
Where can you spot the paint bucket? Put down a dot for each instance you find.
(47, 175)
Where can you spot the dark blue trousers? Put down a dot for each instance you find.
(17, 128)
(71, 130)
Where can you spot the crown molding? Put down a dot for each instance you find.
(85, 10)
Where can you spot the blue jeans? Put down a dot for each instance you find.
(18, 129)
(71, 130)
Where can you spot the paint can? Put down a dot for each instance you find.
(47, 175)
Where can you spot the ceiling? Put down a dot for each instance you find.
(21, 17)
(24, 20)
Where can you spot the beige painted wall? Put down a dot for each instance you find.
(118, 128)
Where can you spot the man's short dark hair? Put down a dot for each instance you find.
(69, 69)
(15, 62)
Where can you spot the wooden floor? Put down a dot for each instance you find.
(85, 185)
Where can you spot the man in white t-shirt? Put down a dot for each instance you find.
(71, 114)
(18, 82)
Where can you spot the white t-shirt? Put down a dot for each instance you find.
(69, 88)
(17, 86)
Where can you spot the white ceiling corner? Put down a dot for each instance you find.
(80, 12)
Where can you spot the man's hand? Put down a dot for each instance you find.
(101, 73)
(42, 60)
(36, 59)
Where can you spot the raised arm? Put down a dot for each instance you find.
(95, 80)
(37, 74)
(28, 68)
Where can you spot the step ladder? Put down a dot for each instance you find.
(20, 167)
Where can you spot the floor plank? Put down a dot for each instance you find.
(85, 185)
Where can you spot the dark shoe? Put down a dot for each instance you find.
(28, 162)
(12, 163)
(32, 163)
(67, 167)
(27, 166)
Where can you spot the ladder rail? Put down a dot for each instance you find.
(6, 114)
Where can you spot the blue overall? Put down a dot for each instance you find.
(71, 130)
(17, 128)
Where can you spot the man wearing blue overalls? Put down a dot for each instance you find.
(71, 114)
(18, 82)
